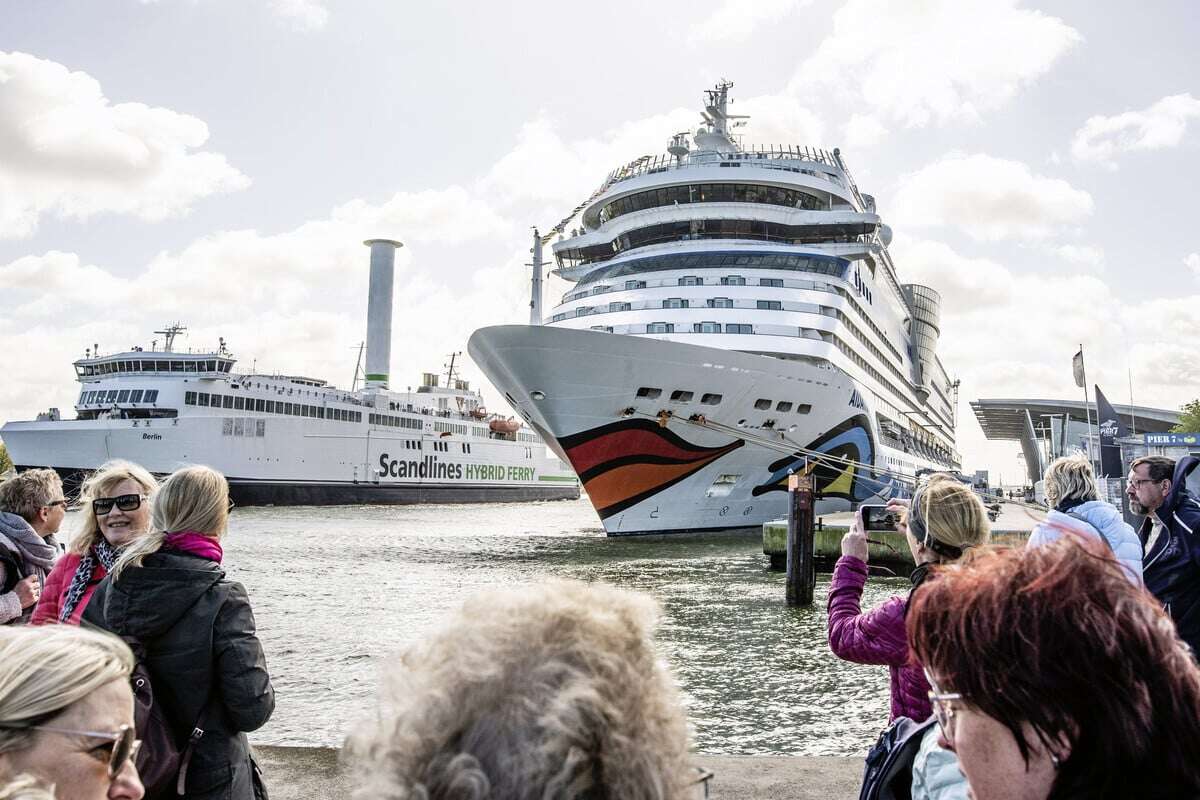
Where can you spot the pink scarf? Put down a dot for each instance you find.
(196, 543)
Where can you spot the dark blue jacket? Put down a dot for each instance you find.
(1171, 569)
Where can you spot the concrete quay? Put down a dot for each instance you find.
(308, 773)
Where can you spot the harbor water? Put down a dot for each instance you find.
(337, 591)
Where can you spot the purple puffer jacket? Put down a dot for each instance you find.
(875, 637)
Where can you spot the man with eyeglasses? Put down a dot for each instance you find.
(32, 507)
(1171, 550)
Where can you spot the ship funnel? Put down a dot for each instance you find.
(925, 308)
(379, 311)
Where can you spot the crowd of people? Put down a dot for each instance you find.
(1062, 669)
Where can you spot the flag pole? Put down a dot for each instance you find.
(1132, 413)
(1087, 408)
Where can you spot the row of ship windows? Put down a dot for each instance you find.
(110, 367)
(388, 421)
(710, 193)
(686, 280)
(785, 262)
(440, 447)
(711, 399)
(680, 302)
(270, 406)
(119, 396)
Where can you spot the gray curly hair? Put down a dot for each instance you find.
(550, 691)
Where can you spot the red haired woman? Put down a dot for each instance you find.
(1055, 677)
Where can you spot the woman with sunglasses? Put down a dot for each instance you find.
(115, 510)
(169, 592)
(945, 519)
(66, 712)
(1053, 676)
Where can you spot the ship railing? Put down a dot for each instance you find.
(665, 162)
(570, 262)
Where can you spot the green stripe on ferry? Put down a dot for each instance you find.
(377, 376)
(571, 478)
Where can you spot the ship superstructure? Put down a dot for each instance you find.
(290, 439)
(734, 315)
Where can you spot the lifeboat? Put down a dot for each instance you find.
(478, 413)
(509, 425)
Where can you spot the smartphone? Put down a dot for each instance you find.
(878, 518)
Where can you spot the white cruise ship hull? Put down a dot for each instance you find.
(709, 465)
(299, 461)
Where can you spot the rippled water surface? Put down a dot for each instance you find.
(337, 591)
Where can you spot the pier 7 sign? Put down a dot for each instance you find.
(430, 467)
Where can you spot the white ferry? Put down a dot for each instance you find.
(735, 316)
(293, 440)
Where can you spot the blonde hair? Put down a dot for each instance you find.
(45, 669)
(548, 690)
(952, 512)
(191, 499)
(28, 492)
(1070, 478)
(25, 787)
(99, 484)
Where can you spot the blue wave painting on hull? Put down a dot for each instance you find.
(850, 440)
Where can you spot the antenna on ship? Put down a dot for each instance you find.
(169, 335)
(357, 367)
(450, 370)
(535, 289)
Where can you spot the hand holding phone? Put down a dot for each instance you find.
(879, 517)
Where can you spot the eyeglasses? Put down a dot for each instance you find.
(1140, 481)
(63, 503)
(942, 708)
(126, 502)
(124, 742)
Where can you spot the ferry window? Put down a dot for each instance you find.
(211, 366)
(691, 280)
(681, 395)
(82, 398)
(201, 398)
(176, 366)
(783, 405)
(648, 392)
(635, 284)
(675, 302)
(287, 408)
(619, 306)
(733, 280)
(776, 282)
(189, 398)
(720, 302)
(735, 328)
(239, 403)
(660, 327)
(227, 401)
(226, 365)
(706, 327)
(189, 366)
(770, 305)
(112, 396)
(260, 404)
(600, 289)
(162, 366)
(270, 404)
(762, 404)
(710, 399)
(119, 366)
(296, 410)
(123, 396)
(803, 408)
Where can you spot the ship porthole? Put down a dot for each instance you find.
(537, 395)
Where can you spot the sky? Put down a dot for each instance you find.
(219, 162)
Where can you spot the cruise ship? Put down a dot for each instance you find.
(290, 439)
(734, 316)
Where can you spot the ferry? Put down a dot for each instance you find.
(292, 439)
(734, 316)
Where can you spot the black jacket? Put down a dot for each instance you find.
(202, 654)
(1172, 568)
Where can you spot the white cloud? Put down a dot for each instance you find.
(988, 198)
(304, 15)
(1085, 256)
(69, 151)
(1192, 262)
(735, 20)
(863, 131)
(936, 60)
(1160, 126)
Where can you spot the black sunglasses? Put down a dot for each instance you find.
(126, 502)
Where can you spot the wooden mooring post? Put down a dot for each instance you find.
(801, 570)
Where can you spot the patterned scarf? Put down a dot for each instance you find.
(101, 552)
